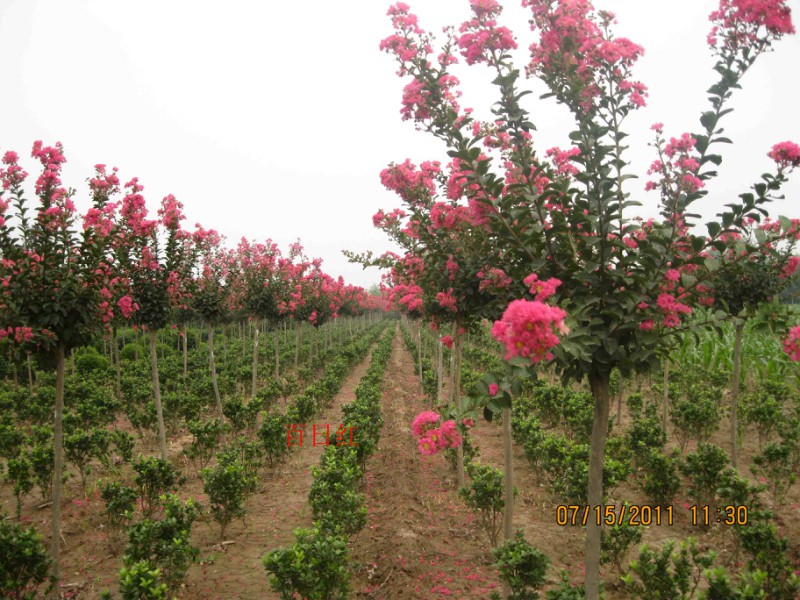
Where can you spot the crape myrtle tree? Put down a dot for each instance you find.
(264, 283)
(181, 283)
(311, 299)
(210, 299)
(447, 276)
(747, 281)
(446, 273)
(624, 283)
(153, 273)
(54, 270)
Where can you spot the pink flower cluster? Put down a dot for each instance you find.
(791, 344)
(671, 308)
(170, 212)
(786, 154)
(677, 173)
(447, 300)
(739, 24)
(104, 184)
(12, 175)
(384, 220)
(528, 328)
(541, 290)
(562, 160)
(411, 185)
(577, 52)
(482, 40)
(134, 210)
(51, 157)
(433, 437)
(127, 306)
(493, 279)
(17, 334)
(447, 216)
(790, 267)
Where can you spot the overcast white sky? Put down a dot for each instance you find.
(274, 119)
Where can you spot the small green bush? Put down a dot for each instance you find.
(315, 566)
(522, 567)
(154, 477)
(484, 493)
(24, 563)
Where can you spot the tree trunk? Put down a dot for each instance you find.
(117, 364)
(508, 512)
(277, 352)
(737, 370)
(58, 466)
(597, 454)
(185, 353)
(419, 351)
(30, 373)
(457, 397)
(162, 434)
(213, 367)
(296, 345)
(665, 404)
(255, 363)
(439, 374)
(136, 345)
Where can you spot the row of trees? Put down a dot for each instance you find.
(502, 227)
(66, 277)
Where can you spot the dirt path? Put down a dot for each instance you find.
(235, 570)
(421, 541)
(229, 570)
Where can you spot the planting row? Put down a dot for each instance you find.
(316, 565)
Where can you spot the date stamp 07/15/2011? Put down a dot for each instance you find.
(644, 514)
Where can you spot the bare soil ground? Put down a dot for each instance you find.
(421, 541)
(231, 569)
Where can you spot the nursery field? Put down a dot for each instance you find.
(391, 523)
(567, 380)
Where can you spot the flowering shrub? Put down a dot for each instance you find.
(791, 344)
(434, 436)
(528, 328)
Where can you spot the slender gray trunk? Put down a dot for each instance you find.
(599, 383)
(58, 467)
(419, 350)
(255, 363)
(117, 365)
(665, 403)
(737, 370)
(439, 374)
(30, 373)
(162, 434)
(185, 354)
(277, 353)
(296, 345)
(457, 396)
(508, 474)
(213, 367)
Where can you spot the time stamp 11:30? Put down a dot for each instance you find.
(644, 514)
